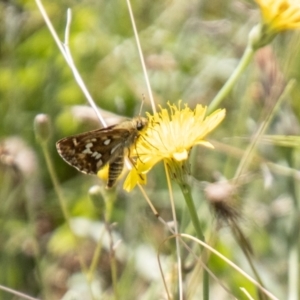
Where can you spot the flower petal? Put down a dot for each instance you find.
(179, 156)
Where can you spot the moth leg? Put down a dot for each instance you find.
(115, 168)
(133, 163)
(144, 138)
(137, 154)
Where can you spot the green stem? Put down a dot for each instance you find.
(247, 250)
(114, 277)
(186, 191)
(31, 212)
(249, 154)
(110, 197)
(226, 89)
(293, 251)
(293, 272)
(110, 201)
(62, 203)
(56, 185)
(96, 257)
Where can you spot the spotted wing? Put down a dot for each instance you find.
(90, 151)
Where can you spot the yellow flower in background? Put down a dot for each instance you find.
(280, 15)
(170, 135)
(277, 16)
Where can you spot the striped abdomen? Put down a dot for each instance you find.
(114, 170)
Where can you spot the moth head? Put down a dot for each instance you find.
(141, 123)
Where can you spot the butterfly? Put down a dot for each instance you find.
(90, 151)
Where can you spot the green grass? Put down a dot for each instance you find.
(191, 48)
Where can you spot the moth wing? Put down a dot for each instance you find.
(90, 151)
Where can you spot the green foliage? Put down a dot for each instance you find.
(190, 48)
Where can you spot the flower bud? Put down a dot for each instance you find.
(42, 127)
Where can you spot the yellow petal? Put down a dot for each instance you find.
(179, 156)
(133, 179)
(206, 144)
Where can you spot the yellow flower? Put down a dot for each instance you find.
(280, 15)
(170, 136)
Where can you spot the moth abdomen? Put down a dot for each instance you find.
(114, 170)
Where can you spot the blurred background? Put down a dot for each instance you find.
(190, 49)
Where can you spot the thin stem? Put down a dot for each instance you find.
(64, 49)
(186, 191)
(226, 89)
(230, 263)
(176, 231)
(250, 151)
(110, 201)
(246, 248)
(293, 272)
(37, 251)
(16, 293)
(246, 293)
(56, 185)
(77, 76)
(110, 197)
(141, 57)
(113, 266)
(62, 203)
(96, 256)
(293, 251)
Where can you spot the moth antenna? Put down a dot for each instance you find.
(142, 104)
